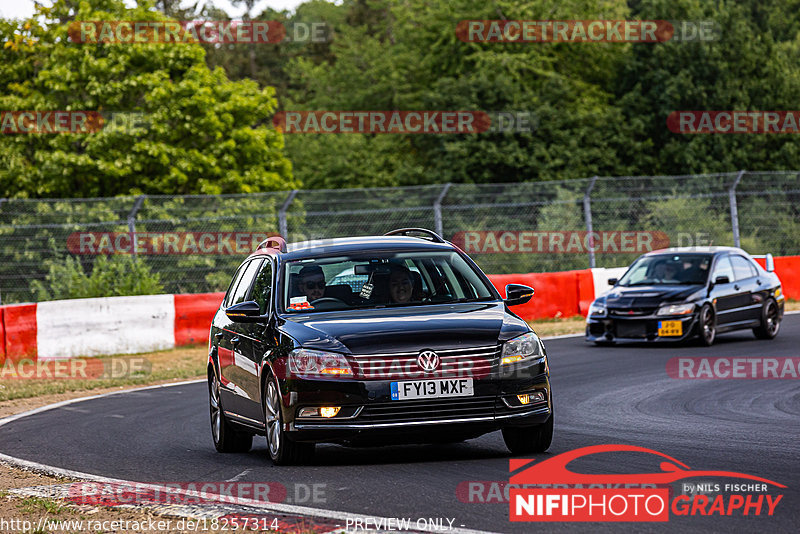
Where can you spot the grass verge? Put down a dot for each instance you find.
(176, 364)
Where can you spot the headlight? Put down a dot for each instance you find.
(316, 362)
(597, 309)
(523, 348)
(676, 309)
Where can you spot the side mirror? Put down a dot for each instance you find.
(769, 262)
(722, 280)
(518, 294)
(245, 312)
(613, 281)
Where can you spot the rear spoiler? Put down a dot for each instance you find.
(769, 262)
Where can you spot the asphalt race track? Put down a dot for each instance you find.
(602, 395)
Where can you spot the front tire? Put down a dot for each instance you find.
(708, 326)
(282, 449)
(530, 439)
(226, 437)
(770, 321)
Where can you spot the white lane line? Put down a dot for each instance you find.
(265, 507)
(562, 336)
(239, 476)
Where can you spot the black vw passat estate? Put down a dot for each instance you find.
(372, 340)
(681, 293)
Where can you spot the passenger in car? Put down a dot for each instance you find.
(311, 282)
(671, 271)
(401, 284)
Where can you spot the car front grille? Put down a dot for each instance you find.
(428, 411)
(475, 362)
(631, 312)
(631, 329)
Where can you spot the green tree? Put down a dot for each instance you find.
(406, 55)
(202, 134)
(110, 276)
(751, 64)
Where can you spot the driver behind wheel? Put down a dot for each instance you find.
(401, 284)
(311, 282)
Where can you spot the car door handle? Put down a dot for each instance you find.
(736, 287)
(218, 335)
(235, 340)
(758, 282)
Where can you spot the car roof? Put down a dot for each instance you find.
(698, 250)
(343, 245)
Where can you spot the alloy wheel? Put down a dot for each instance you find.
(273, 419)
(709, 329)
(773, 323)
(216, 419)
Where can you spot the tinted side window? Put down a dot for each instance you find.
(742, 268)
(262, 290)
(245, 282)
(723, 268)
(232, 287)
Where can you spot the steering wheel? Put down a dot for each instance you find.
(323, 300)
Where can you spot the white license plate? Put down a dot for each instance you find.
(432, 389)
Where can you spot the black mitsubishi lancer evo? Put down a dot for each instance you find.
(678, 294)
(375, 340)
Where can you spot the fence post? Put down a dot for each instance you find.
(283, 225)
(132, 221)
(437, 210)
(587, 213)
(735, 209)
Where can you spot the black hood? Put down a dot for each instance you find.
(648, 296)
(384, 330)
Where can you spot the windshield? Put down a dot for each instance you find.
(665, 269)
(380, 280)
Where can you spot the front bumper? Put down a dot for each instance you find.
(610, 329)
(368, 413)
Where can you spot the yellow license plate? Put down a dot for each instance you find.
(670, 328)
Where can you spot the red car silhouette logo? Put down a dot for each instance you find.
(554, 470)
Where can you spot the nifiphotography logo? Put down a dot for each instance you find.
(575, 496)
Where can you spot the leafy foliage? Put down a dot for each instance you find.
(202, 134)
(111, 276)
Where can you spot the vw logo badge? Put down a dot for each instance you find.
(428, 361)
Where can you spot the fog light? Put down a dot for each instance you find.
(329, 411)
(538, 396)
(326, 412)
(532, 397)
